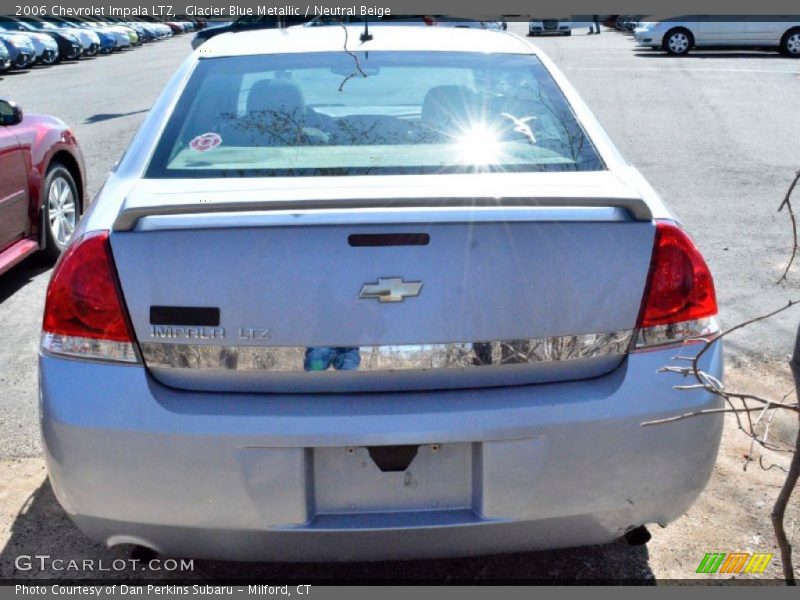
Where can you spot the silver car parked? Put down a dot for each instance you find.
(679, 35)
(402, 301)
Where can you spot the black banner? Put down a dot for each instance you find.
(511, 9)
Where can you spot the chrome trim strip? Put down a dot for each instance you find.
(383, 216)
(421, 357)
(128, 217)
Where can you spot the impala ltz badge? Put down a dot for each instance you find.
(392, 289)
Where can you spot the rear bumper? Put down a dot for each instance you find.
(273, 477)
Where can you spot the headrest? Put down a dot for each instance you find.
(448, 105)
(278, 97)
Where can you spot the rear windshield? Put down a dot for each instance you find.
(338, 113)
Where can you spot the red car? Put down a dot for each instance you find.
(42, 185)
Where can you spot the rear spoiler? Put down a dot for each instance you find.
(636, 208)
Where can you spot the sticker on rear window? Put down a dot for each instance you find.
(205, 142)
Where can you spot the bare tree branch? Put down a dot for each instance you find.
(708, 343)
(699, 413)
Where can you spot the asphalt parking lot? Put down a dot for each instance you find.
(714, 132)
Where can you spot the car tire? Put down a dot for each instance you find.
(567, 33)
(61, 209)
(790, 43)
(678, 41)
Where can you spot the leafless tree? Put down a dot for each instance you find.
(754, 414)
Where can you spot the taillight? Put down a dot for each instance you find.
(679, 301)
(84, 314)
(429, 20)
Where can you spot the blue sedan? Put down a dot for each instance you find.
(20, 48)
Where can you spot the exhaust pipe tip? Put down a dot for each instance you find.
(143, 553)
(638, 536)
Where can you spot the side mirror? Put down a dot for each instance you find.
(10, 113)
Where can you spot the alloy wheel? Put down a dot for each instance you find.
(678, 42)
(61, 210)
(793, 44)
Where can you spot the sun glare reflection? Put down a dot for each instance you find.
(478, 145)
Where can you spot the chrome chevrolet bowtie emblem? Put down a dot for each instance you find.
(392, 289)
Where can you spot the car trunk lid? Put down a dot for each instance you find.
(426, 288)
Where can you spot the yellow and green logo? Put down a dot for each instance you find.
(734, 562)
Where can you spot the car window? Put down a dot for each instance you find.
(335, 113)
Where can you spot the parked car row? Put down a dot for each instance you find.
(680, 35)
(42, 173)
(46, 41)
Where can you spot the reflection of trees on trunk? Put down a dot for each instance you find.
(514, 352)
(389, 358)
(228, 359)
(561, 348)
(482, 354)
